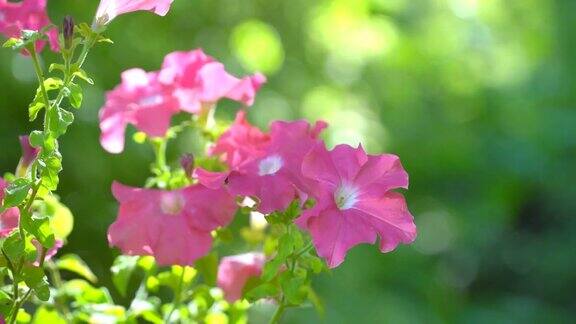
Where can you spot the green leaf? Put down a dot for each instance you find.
(39, 227)
(46, 314)
(84, 293)
(5, 303)
(208, 268)
(49, 174)
(263, 291)
(36, 139)
(35, 279)
(73, 263)
(53, 84)
(13, 246)
(55, 66)
(80, 73)
(75, 95)
(294, 286)
(122, 270)
(13, 43)
(60, 119)
(17, 192)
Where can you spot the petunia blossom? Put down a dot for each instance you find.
(275, 178)
(139, 100)
(235, 271)
(354, 201)
(29, 154)
(26, 15)
(110, 9)
(173, 226)
(9, 218)
(241, 143)
(200, 81)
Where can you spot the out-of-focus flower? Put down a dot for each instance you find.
(200, 81)
(10, 218)
(29, 154)
(139, 100)
(173, 226)
(110, 9)
(241, 143)
(49, 254)
(354, 201)
(26, 15)
(275, 178)
(234, 271)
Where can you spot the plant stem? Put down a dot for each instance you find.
(55, 274)
(177, 296)
(81, 59)
(278, 313)
(40, 76)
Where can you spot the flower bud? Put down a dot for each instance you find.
(68, 31)
(187, 163)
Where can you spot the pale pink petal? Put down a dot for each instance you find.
(110, 9)
(235, 271)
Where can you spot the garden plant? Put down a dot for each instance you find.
(298, 207)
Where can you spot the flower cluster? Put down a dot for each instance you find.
(188, 81)
(352, 192)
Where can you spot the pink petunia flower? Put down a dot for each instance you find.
(29, 154)
(9, 218)
(234, 271)
(201, 81)
(354, 201)
(110, 9)
(139, 100)
(49, 254)
(173, 226)
(241, 143)
(275, 178)
(274, 175)
(26, 15)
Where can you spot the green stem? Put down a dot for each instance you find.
(81, 59)
(57, 279)
(40, 76)
(279, 312)
(177, 296)
(18, 304)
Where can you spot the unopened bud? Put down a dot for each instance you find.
(187, 163)
(68, 31)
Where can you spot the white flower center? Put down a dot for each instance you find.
(270, 165)
(172, 203)
(346, 196)
(151, 100)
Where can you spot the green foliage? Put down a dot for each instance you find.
(73, 263)
(17, 192)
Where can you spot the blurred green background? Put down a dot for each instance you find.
(477, 98)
